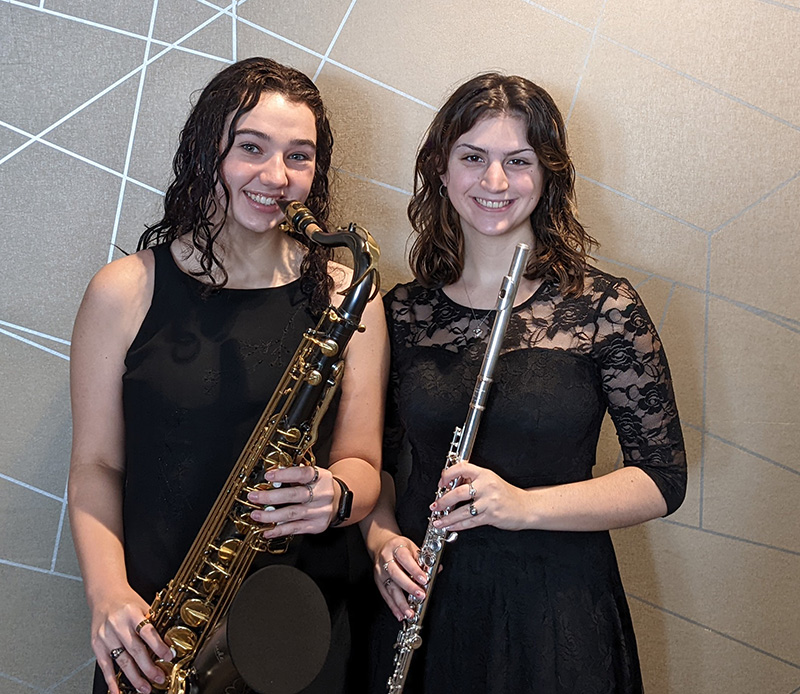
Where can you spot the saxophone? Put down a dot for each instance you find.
(190, 611)
(430, 553)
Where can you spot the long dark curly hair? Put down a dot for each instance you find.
(562, 244)
(191, 202)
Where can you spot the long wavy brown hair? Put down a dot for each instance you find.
(191, 203)
(562, 244)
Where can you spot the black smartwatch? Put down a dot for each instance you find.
(345, 504)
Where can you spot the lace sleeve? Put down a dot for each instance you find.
(636, 381)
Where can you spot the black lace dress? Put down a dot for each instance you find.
(528, 611)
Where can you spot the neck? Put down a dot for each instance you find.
(253, 261)
(486, 262)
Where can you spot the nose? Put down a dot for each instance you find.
(273, 173)
(494, 178)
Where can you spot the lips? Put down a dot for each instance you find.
(493, 204)
(260, 198)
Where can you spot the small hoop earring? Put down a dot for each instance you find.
(443, 191)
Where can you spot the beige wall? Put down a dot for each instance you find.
(684, 120)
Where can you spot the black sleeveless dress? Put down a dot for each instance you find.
(529, 611)
(198, 376)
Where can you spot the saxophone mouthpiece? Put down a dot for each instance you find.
(299, 216)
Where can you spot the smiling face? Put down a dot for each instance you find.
(494, 179)
(273, 156)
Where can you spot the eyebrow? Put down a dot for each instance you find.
(264, 136)
(481, 150)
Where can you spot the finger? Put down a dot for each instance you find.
(151, 637)
(126, 663)
(451, 499)
(107, 668)
(299, 474)
(144, 661)
(292, 494)
(467, 471)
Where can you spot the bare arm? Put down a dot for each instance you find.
(108, 319)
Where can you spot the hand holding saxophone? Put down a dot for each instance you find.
(481, 497)
(304, 503)
(122, 634)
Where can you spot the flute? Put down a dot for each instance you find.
(430, 554)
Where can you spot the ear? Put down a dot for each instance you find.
(444, 178)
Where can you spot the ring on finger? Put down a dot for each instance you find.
(471, 491)
(316, 475)
(116, 652)
(141, 624)
(388, 582)
(386, 565)
(472, 510)
(310, 493)
(394, 551)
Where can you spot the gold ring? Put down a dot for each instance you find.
(141, 624)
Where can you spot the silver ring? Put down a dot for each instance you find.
(316, 475)
(386, 565)
(471, 491)
(310, 493)
(116, 653)
(472, 510)
(387, 582)
(394, 551)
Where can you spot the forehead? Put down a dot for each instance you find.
(277, 116)
(496, 130)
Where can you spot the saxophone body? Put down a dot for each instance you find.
(190, 610)
(409, 637)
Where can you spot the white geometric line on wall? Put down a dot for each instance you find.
(552, 12)
(791, 8)
(31, 331)
(60, 529)
(234, 48)
(80, 157)
(168, 47)
(53, 687)
(646, 205)
(112, 29)
(585, 62)
(728, 536)
(380, 184)
(31, 343)
(333, 40)
(756, 203)
(10, 678)
(713, 631)
(39, 570)
(702, 83)
(31, 488)
(126, 167)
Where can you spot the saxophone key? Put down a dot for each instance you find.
(195, 612)
(181, 639)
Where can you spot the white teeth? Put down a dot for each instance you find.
(260, 199)
(493, 204)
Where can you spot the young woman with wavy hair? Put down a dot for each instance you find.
(529, 598)
(176, 352)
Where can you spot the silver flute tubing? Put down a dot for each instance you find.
(430, 554)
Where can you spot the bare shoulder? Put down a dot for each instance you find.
(119, 294)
